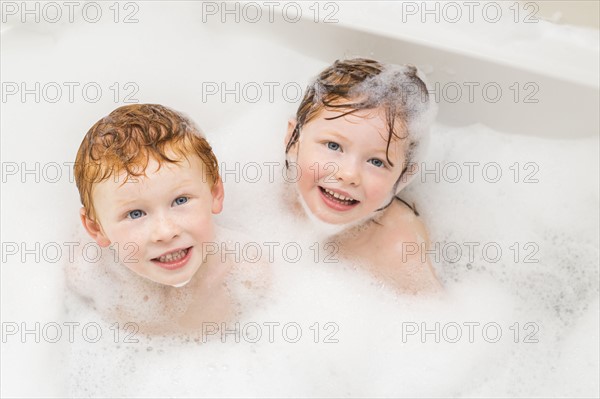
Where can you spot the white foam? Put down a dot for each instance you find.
(559, 214)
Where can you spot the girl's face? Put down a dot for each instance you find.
(344, 175)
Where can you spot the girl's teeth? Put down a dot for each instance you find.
(173, 256)
(338, 196)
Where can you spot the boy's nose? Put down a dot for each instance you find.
(165, 229)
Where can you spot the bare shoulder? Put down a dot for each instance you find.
(406, 242)
(401, 223)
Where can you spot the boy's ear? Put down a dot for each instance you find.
(290, 129)
(93, 229)
(218, 193)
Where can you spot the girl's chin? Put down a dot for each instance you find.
(327, 218)
(324, 224)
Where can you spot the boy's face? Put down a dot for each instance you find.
(161, 224)
(345, 175)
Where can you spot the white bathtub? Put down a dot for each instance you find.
(175, 48)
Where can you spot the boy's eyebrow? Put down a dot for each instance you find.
(183, 184)
(124, 202)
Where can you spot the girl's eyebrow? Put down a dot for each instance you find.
(335, 133)
(380, 152)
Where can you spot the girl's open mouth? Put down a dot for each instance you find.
(337, 201)
(174, 259)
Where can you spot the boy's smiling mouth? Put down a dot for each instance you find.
(174, 259)
(336, 200)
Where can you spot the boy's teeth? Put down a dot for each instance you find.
(173, 256)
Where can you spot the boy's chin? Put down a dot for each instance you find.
(183, 280)
(183, 284)
(169, 281)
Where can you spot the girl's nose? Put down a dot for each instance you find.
(348, 172)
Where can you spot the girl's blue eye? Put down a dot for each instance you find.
(180, 200)
(333, 146)
(136, 214)
(376, 162)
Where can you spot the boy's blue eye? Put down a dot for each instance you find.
(136, 214)
(377, 162)
(180, 200)
(333, 146)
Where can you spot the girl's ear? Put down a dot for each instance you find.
(290, 129)
(410, 172)
(218, 193)
(94, 229)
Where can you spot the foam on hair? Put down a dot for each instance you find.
(402, 90)
(361, 83)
